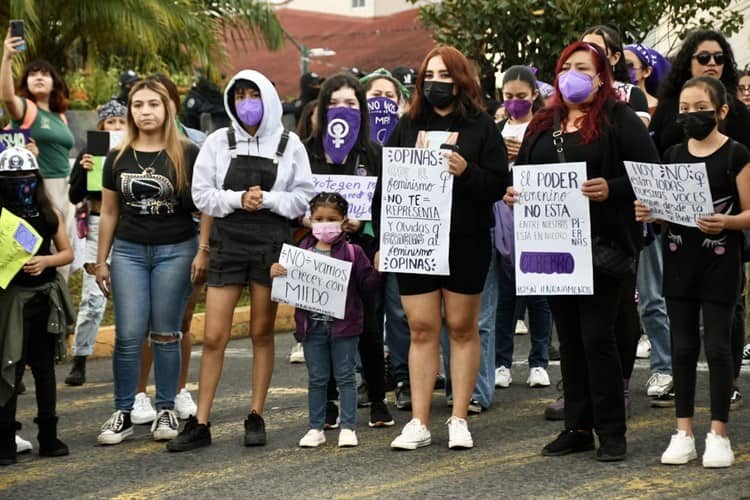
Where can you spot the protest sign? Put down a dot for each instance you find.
(356, 189)
(417, 191)
(383, 113)
(313, 282)
(14, 137)
(19, 241)
(675, 192)
(553, 230)
(94, 176)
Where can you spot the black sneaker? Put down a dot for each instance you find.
(255, 430)
(192, 436)
(474, 407)
(553, 353)
(746, 355)
(403, 396)
(569, 441)
(735, 402)
(21, 388)
(77, 374)
(363, 398)
(439, 382)
(380, 416)
(389, 383)
(332, 415)
(611, 449)
(116, 428)
(666, 400)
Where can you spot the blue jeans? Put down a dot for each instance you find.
(540, 324)
(93, 301)
(321, 354)
(653, 307)
(150, 288)
(484, 389)
(397, 333)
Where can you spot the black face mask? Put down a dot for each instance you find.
(18, 194)
(698, 124)
(439, 94)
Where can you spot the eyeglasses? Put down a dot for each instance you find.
(703, 58)
(743, 89)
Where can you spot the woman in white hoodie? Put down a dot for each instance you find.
(252, 177)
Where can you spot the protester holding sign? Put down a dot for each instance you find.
(448, 103)
(331, 344)
(341, 146)
(35, 307)
(584, 121)
(91, 309)
(253, 178)
(702, 269)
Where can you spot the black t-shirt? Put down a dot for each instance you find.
(23, 278)
(151, 210)
(699, 265)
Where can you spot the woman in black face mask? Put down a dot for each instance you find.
(448, 110)
(702, 269)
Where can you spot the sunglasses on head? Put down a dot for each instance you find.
(704, 58)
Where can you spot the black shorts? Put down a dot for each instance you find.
(469, 259)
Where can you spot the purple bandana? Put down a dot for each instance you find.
(341, 132)
(383, 118)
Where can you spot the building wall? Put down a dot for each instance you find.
(355, 8)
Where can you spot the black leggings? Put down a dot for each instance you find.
(686, 345)
(628, 327)
(39, 354)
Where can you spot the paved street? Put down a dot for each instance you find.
(505, 462)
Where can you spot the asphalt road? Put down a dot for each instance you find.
(506, 461)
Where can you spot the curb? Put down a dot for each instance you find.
(105, 339)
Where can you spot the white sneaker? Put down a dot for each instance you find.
(143, 412)
(644, 348)
(746, 355)
(22, 446)
(681, 449)
(312, 439)
(659, 384)
(502, 377)
(458, 433)
(521, 328)
(538, 377)
(298, 354)
(718, 451)
(413, 436)
(347, 438)
(184, 406)
(116, 428)
(165, 426)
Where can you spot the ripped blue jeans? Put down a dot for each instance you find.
(150, 288)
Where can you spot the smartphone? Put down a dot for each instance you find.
(16, 29)
(450, 147)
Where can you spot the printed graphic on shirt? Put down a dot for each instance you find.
(150, 194)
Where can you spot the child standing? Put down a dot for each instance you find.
(702, 269)
(330, 342)
(35, 307)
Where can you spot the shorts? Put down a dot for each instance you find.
(469, 258)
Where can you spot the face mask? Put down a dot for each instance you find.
(383, 113)
(342, 131)
(439, 94)
(518, 108)
(18, 194)
(575, 86)
(631, 75)
(327, 232)
(697, 125)
(250, 111)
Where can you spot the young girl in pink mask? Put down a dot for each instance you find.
(330, 342)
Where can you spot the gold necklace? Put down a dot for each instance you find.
(146, 170)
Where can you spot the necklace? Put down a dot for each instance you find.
(147, 170)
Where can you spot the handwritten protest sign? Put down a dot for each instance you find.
(355, 189)
(675, 192)
(553, 230)
(18, 243)
(383, 113)
(94, 176)
(14, 137)
(313, 282)
(416, 216)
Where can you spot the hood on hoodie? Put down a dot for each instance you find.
(270, 125)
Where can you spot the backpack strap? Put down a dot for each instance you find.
(281, 148)
(30, 112)
(232, 142)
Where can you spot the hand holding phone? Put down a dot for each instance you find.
(17, 30)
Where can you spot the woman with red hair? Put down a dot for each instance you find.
(592, 126)
(447, 110)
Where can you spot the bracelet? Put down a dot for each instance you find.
(101, 264)
(205, 248)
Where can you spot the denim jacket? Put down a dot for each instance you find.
(364, 280)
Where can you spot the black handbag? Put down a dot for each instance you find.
(607, 257)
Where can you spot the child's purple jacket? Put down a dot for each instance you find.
(364, 279)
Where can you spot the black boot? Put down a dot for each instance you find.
(49, 445)
(7, 444)
(77, 374)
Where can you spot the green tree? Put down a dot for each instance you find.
(180, 34)
(506, 32)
